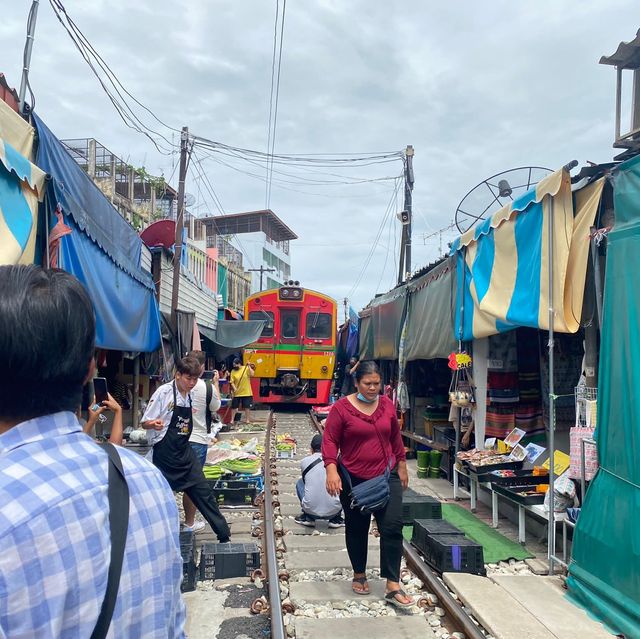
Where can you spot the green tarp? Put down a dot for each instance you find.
(430, 314)
(605, 573)
(381, 323)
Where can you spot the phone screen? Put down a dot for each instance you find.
(100, 389)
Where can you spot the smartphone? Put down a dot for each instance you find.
(100, 389)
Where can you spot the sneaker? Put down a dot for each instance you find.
(336, 522)
(197, 526)
(303, 520)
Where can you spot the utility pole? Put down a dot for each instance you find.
(28, 47)
(177, 257)
(404, 266)
(345, 301)
(261, 270)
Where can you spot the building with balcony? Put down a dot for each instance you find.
(261, 236)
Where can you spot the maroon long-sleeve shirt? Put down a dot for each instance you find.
(351, 433)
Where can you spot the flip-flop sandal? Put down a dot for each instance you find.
(363, 582)
(390, 597)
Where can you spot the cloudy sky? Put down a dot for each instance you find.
(475, 87)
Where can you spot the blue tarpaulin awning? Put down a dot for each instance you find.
(102, 251)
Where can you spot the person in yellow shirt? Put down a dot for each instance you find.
(241, 388)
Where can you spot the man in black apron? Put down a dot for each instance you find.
(172, 453)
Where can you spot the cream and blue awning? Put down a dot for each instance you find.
(503, 262)
(21, 187)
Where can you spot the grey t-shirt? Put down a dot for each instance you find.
(317, 501)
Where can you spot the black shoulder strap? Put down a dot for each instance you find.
(207, 412)
(118, 492)
(315, 462)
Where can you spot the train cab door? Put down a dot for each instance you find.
(290, 340)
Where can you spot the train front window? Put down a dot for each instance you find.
(318, 326)
(267, 331)
(289, 324)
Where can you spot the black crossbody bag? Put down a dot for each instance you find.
(118, 493)
(372, 494)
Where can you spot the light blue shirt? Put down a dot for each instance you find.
(55, 541)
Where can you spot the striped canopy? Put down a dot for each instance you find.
(503, 262)
(21, 186)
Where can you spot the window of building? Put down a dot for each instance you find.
(289, 324)
(318, 326)
(267, 331)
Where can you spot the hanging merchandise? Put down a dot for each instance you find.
(461, 388)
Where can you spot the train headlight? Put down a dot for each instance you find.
(325, 369)
(296, 292)
(284, 292)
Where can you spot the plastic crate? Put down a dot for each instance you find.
(234, 492)
(224, 561)
(420, 507)
(454, 553)
(188, 552)
(423, 528)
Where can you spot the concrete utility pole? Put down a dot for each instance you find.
(345, 301)
(28, 47)
(177, 257)
(404, 266)
(261, 270)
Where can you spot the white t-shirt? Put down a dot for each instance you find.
(317, 501)
(199, 399)
(160, 406)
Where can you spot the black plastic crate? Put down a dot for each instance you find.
(454, 553)
(188, 552)
(189, 576)
(234, 492)
(423, 528)
(420, 507)
(224, 561)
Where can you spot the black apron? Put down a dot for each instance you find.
(173, 454)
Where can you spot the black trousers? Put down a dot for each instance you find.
(201, 494)
(389, 522)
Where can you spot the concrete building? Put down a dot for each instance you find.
(262, 237)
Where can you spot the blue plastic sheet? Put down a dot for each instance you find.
(103, 252)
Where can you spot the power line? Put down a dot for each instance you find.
(275, 109)
(354, 288)
(115, 93)
(273, 73)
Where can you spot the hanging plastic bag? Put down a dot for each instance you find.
(564, 494)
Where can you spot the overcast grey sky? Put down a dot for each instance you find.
(475, 87)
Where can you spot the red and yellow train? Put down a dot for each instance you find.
(295, 355)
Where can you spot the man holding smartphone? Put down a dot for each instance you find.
(55, 529)
(205, 398)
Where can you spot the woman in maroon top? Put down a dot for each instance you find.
(361, 436)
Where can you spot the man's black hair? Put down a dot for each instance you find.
(316, 443)
(47, 338)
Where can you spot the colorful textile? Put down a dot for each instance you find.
(55, 541)
(502, 262)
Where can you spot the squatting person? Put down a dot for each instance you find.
(311, 488)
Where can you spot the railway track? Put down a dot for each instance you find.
(308, 574)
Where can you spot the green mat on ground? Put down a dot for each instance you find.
(496, 547)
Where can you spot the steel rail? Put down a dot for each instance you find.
(450, 605)
(271, 562)
(415, 562)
